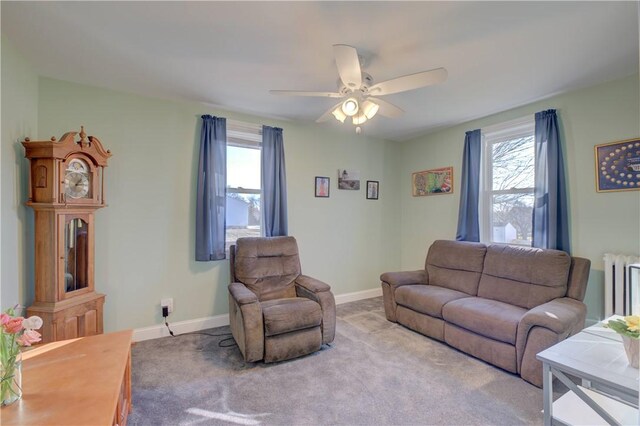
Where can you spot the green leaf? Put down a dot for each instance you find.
(621, 327)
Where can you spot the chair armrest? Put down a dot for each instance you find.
(320, 292)
(241, 294)
(245, 321)
(312, 284)
(397, 279)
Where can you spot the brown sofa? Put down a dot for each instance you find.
(499, 303)
(275, 312)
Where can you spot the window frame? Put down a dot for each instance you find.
(247, 136)
(521, 127)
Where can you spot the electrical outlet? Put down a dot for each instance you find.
(168, 302)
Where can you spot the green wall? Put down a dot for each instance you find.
(19, 86)
(145, 237)
(600, 222)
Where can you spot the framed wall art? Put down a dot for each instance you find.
(432, 182)
(322, 186)
(349, 179)
(618, 166)
(372, 189)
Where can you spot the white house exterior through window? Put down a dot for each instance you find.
(244, 186)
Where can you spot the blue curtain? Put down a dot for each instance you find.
(468, 222)
(550, 210)
(274, 183)
(212, 187)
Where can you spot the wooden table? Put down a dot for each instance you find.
(609, 394)
(85, 381)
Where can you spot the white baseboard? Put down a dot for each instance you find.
(189, 326)
(358, 295)
(180, 327)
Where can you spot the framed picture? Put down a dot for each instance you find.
(349, 179)
(322, 186)
(372, 189)
(618, 166)
(432, 182)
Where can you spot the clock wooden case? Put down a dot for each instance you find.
(66, 187)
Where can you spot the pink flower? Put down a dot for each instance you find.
(4, 318)
(28, 337)
(13, 325)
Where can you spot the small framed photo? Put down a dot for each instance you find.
(349, 180)
(372, 189)
(618, 166)
(322, 186)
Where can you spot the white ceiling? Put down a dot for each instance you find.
(499, 54)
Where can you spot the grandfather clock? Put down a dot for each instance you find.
(66, 187)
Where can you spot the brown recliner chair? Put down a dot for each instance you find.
(275, 312)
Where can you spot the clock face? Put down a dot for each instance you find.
(76, 179)
(76, 185)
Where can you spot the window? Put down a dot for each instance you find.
(508, 189)
(244, 208)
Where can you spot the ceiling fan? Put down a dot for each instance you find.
(359, 94)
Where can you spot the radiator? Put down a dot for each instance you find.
(621, 278)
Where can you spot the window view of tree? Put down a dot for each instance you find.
(512, 182)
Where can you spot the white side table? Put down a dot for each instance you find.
(610, 394)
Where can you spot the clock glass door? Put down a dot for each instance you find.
(76, 274)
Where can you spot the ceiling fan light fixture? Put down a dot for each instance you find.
(350, 107)
(370, 109)
(338, 114)
(358, 119)
(359, 96)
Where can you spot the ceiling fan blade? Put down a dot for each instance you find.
(387, 109)
(327, 115)
(409, 82)
(348, 65)
(302, 93)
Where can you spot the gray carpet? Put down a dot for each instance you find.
(374, 373)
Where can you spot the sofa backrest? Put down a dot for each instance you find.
(524, 276)
(456, 265)
(267, 266)
(578, 278)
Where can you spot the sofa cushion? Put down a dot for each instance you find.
(456, 265)
(285, 315)
(267, 266)
(427, 299)
(490, 318)
(524, 276)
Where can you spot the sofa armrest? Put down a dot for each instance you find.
(390, 283)
(241, 294)
(311, 284)
(397, 279)
(562, 316)
(320, 292)
(542, 327)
